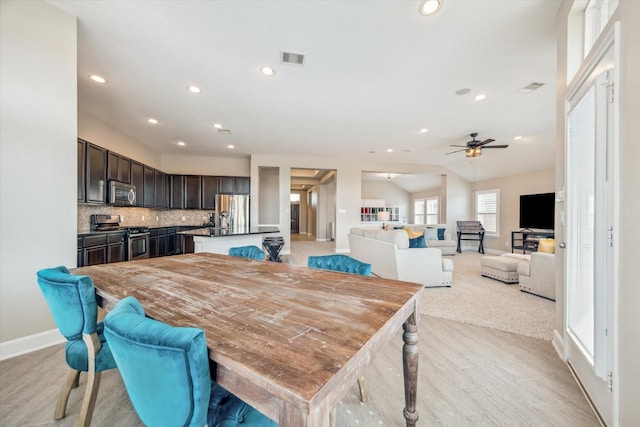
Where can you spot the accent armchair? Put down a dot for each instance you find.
(166, 373)
(72, 302)
(251, 252)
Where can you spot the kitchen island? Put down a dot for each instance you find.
(219, 240)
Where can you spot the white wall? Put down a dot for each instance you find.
(626, 334)
(510, 190)
(38, 152)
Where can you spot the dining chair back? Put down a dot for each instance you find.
(72, 302)
(252, 252)
(166, 373)
(339, 262)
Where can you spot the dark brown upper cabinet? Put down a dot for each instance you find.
(81, 171)
(118, 168)
(161, 189)
(209, 191)
(137, 179)
(243, 185)
(176, 200)
(192, 192)
(226, 185)
(149, 187)
(96, 174)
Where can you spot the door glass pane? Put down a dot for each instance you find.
(581, 222)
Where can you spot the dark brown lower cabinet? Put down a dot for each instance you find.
(116, 249)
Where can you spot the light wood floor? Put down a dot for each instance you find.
(468, 376)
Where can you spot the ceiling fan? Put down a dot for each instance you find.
(474, 147)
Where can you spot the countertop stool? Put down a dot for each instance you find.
(273, 245)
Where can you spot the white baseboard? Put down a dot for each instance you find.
(342, 251)
(558, 344)
(322, 240)
(28, 344)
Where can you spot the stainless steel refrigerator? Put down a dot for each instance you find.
(232, 212)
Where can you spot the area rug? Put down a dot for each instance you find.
(486, 302)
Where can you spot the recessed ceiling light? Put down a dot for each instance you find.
(231, 147)
(194, 89)
(424, 130)
(429, 7)
(182, 143)
(516, 138)
(152, 121)
(98, 79)
(389, 150)
(480, 97)
(217, 125)
(267, 71)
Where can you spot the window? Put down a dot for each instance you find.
(433, 210)
(487, 202)
(418, 211)
(596, 15)
(294, 197)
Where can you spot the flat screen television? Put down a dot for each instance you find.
(537, 211)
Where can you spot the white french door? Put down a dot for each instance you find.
(590, 230)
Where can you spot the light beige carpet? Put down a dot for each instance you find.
(486, 302)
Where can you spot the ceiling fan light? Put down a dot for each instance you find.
(430, 7)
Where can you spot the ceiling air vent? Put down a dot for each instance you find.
(224, 131)
(530, 87)
(292, 58)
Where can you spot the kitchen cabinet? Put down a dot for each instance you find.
(162, 241)
(116, 251)
(94, 250)
(226, 185)
(176, 200)
(193, 192)
(149, 187)
(209, 191)
(118, 168)
(96, 174)
(243, 185)
(81, 169)
(137, 179)
(160, 189)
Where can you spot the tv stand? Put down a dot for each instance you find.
(526, 239)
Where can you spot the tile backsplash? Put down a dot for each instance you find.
(130, 217)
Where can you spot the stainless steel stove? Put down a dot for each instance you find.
(136, 238)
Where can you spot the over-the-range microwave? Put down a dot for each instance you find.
(121, 194)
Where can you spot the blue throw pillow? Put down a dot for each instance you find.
(441, 233)
(418, 242)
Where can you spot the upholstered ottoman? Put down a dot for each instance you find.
(502, 268)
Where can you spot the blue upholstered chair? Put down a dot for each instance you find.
(339, 262)
(72, 301)
(166, 372)
(252, 252)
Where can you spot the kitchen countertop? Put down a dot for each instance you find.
(222, 232)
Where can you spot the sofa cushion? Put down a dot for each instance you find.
(440, 233)
(524, 268)
(417, 242)
(431, 233)
(357, 231)
(547, 246)
(370, 233)
(412, 234)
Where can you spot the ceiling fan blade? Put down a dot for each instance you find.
(496, 146)
(457, 151)
(485, 142)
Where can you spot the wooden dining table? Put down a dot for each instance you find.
(288, 340)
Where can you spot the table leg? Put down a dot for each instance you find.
(410, 364)
(458, 249)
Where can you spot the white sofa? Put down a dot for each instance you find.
(448, 246)
(538, 275)
(390, 257)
